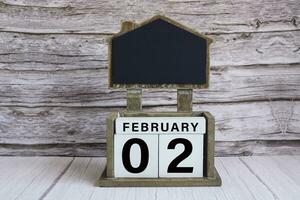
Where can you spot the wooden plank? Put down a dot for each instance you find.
(31, 125)
(245, 177)
(255, 48)
(271, 174)
(289, 166)
(65, 52)
(86, 88)
(257, 147)
(55, 149)
(78, 16)
(238, 182)
(52, 52)
(223, 148)
(234, 122)
(78, 182)
(29, 177)
(241, 128)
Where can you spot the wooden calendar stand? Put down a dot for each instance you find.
(184, 107)
(160, 53)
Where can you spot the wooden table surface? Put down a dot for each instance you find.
(276, 177)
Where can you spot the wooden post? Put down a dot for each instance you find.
(127, 26)
(185, 100)
(134, 96)
(134, 99)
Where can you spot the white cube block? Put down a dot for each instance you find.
(160, 125)
(136, 155)
(181, 155)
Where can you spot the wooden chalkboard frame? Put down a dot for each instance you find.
(173, 86)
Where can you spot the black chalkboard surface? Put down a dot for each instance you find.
(159, 54)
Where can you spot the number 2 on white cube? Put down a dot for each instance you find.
(181, 155)
(136, 155)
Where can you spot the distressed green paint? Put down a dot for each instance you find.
(209, 142)
(160, 182)
(134, 99)
(110, 144)
(185, 100)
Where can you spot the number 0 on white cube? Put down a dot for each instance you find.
(136, 155)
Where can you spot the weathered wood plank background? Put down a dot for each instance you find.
(53, 73)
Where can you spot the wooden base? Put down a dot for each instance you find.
(104, 181)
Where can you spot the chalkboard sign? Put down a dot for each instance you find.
(159, 53)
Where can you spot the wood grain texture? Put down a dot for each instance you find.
(250, 178)
(28, 178)
(79, 180)
(53, 73)
(241, 180)
(78, 16)
(276, 177)
(223, 148)
(54, 52)
(89, 87)
(237, 121)
(274, 120)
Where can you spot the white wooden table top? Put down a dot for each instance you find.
(276, 177)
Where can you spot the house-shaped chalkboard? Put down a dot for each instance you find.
(159, 53)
